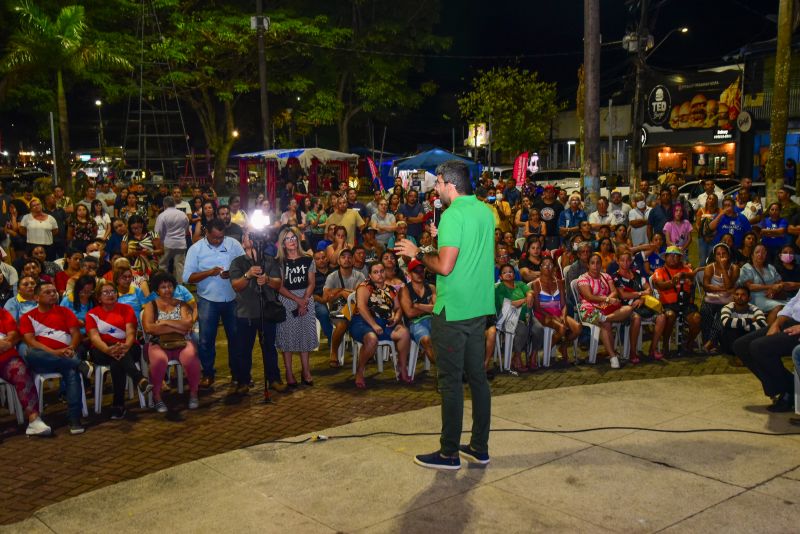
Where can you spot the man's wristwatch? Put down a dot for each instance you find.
(420, 256)
(246, 277)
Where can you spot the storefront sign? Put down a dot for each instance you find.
(694, 101)
(744, 122)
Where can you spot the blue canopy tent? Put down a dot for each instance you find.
(431, 159)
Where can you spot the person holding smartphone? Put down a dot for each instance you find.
(207, 264)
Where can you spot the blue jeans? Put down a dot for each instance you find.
(209, 315)
(40, 362)
(703, 250)
(242, 357)
(324, 318)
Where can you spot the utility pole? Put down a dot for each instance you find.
(780, 101)
(642, 33)
(262, 73)
(591, 114)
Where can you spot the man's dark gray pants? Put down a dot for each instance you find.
(460, 348)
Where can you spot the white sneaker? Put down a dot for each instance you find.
(614, 362)
(37, 427)
(194, 403)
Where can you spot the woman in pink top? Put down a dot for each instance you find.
(600, 304)
(678, 231)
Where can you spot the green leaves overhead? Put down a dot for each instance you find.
(519, 106)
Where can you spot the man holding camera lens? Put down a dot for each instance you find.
(674, 282)
(254, 276)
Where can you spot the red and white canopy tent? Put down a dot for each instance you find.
(270, 162)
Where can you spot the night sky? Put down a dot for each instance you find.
(551, 30)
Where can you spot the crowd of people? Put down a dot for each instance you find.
(103, 281)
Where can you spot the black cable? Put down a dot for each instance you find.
(319, 437)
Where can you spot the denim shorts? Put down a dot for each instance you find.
(420, 329)
(359, 328)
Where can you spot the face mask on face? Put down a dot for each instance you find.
(95, 253)
(640, 204)
(787, 258)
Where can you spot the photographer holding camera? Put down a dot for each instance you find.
(255, 276)
(674, 282)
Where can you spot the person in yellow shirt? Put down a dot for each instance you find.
(500, 209)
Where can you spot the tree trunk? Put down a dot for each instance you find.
(591, 114)
(63, 156)
(344, 133)
(780, 102)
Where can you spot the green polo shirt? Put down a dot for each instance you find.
(468, 291)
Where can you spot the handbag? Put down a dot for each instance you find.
(508, 317)
(273, 311)
(336, 306)
(652, 303)
(172, 341)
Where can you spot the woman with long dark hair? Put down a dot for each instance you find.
(207, 213)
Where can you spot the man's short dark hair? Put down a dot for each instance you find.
(40, 284)
(358, 247)
(786, 190)
(457, 173)
(216, 224)
(743, 288)
(89, 259)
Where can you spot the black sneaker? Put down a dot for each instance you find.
(435, 460)
(782, 403)
(118, 412)
(473, 456)
(76, 427)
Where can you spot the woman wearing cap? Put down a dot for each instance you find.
(378, 317)
(719, 281)
(601, 306)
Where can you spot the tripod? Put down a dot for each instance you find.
(260, 242)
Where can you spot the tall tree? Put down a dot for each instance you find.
(779, 114)
(374, 64)
(520, 107)
(57, 46)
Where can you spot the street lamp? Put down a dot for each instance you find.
(682, 29)
(637, 44)
(101, 136)
(235, 133)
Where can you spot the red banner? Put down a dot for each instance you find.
(373, 169)
(520, 168)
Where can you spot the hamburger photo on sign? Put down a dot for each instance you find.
(706, 110)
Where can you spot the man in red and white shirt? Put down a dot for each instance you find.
(52, 334)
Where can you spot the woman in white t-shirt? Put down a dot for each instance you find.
(102, 219)
(37, 227)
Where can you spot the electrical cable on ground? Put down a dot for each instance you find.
(320, 437)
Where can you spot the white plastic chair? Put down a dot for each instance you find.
(384, 351)
(796, 392)
(40, 379)
(413, 356)
(99, 375)
(503, 349)
(8, 396)
(144, 365)
(594, 330)
(547, 348)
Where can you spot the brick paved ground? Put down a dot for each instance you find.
(35, 473)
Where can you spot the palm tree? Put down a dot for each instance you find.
(57, 46)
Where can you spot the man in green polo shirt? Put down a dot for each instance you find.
(464, 265)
